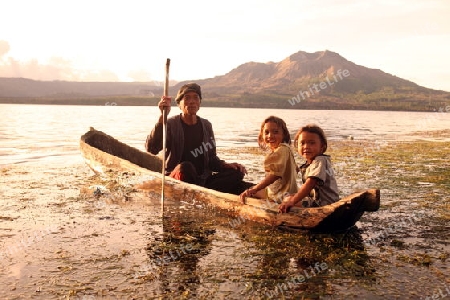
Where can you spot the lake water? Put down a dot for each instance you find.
(58, 240)
(42, 133)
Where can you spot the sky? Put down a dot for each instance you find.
(98, 40)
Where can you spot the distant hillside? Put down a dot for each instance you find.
(323, 80)
(301, 70)
(320, 80)
(22, 88)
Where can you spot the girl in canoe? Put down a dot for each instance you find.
(319, 186)
(279, 164)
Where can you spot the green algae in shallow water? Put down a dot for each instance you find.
(420, 169)
(417, 259)
(415, 207)
(249, 261)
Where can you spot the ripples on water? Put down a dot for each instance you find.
(105, 246)
(32, 133)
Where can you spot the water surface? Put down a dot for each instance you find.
(60, 240)
(32, 133)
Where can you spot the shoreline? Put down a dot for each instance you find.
(145, 102)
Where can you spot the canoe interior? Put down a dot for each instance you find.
(104, 153)
(110, 145)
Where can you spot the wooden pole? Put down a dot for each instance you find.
(166, 93)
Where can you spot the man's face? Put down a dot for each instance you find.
(190, 103)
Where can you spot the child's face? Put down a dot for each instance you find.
(309, 145)
(273, 135)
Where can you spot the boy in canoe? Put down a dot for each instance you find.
(319, 186)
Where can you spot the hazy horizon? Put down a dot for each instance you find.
(113, 41)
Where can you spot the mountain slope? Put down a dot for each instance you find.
(22, 87)
(319, 80)
(301, 70)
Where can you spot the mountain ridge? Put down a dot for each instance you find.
(318, 80)
(296, 69)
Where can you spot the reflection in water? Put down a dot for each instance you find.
(176, 254)
(267, 263)
(294, 264)
(199, 255)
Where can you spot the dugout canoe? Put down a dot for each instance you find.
(103, 153)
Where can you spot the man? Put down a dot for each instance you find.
(191, 148)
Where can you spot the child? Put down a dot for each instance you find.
(319, 185)
(279, 164)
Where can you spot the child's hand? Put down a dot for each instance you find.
(286, 205)
(245, 194)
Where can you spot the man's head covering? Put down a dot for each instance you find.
(189, 87)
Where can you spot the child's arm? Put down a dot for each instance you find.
(303, 192)
(268, 180)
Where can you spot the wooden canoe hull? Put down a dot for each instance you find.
(103, 153)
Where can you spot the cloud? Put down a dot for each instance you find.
(4, 48)
(57, 68)
(139, 75)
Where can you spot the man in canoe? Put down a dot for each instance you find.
(191, 148)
